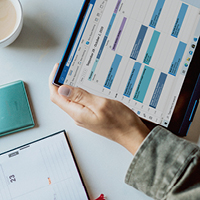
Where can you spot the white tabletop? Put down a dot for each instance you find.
(46, 31)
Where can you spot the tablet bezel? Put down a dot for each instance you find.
(71, 43)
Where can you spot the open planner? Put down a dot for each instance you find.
(140, 52)
(42, 170)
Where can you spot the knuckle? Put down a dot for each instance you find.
(109, 107)
(78, 96)
(104, 105)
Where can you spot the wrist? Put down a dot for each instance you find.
(133, 138)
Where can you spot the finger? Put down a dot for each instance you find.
(53, 89)
(80, 113)
(53, 72)
(80, 96)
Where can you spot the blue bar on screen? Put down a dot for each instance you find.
(195, 3)
(177, 58)
(113, 71)
(151, 48)
(179, 21)
(132, 79)
(143, 84)
(102, 47)
(93, 69)
(93, 1)
(156, 14)
(110, 24)
(138, 43)
(158, 90)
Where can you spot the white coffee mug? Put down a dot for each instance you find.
(6, 13)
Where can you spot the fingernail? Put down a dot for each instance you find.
(65, 91)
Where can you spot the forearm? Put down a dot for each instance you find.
(166, 167)
(134, 137)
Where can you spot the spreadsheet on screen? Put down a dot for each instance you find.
(137, 52)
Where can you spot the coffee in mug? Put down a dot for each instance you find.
(8, 18)
(10, 21)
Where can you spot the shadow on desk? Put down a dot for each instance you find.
(34, 36)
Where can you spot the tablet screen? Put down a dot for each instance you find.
(135, 51)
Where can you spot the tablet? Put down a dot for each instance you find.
(144, 53)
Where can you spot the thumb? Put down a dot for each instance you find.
(77, 95)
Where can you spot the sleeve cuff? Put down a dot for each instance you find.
(158, 163)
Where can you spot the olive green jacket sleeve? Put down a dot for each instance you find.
(166, 167)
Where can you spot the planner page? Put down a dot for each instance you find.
(137, 52)
(43, 170)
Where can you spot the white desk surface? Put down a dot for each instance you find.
(42, 42)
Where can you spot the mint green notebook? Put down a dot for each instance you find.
(15, 112)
